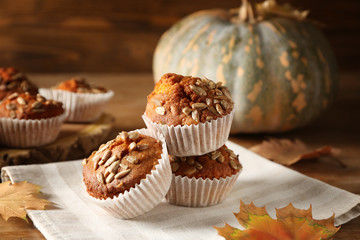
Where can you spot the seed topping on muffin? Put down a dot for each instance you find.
(79, 85)
(11, 80)
(184, 100)
(120, 163)
(220, 163)
(27, 106)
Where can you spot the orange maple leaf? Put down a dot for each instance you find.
(16, 197)
(291, 224)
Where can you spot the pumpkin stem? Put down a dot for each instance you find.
(246, 12)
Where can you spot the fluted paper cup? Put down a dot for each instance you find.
(24, 133)
(192, 192)
(194, 140)
(79, 107)
(144, 196)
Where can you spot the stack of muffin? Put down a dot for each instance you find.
(32, 119)
(190, 118)
(195, 116)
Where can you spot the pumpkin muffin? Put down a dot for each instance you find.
(200, 181)
(193, 114)
(79, 85)
(29, 121)
(185, 100)
(83, 102)
(134, 165)
(11, 80)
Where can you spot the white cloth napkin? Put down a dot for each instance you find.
(262, 181)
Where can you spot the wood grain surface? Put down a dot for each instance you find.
(339, 127)
(120, 36)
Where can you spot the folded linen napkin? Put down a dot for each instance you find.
(262, 181)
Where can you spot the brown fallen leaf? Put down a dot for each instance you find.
(287, 152)
(16, 197)
(291, 223)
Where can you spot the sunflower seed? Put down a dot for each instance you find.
(123, 136)
(212, 85)
(107, 155)
(174, 159)
(110, 161)
(40, 98)
(142, 147)
(100, 177)
(183, 159)
(122, 173)
(218, 92)
(213, 110)
(120, 184)
(96, 157)
(157, 102)
(12, 114)
(36, 105)
(227, 93)
(199, 106)
(132, 146)
(190, 171)
(186, 110)
(208, 101)
(198, 166)
(84, 162)
(13, 95)
(198, 90)
(221, 158)
(38, 110)
(133, 135)
(110, 178)
(219, 109)
(160, 110)
(10, 106)
(174, 166)
(221, 97)
(224, 104)
(190, 161)
(11, 85)
(103, 147)
(132, 159)
(17, 75)
(114, 166)
(209, 118)
(233, 164)
(195, 115)
(218, 84)
(24, 86)
(21, 101)
(216, 101)
(215, 155)
(124, 166)
(96, 162)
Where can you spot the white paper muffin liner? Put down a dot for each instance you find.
(192, 192)
(144, 196)
(194, 140)
(79, 107)
(24, 133)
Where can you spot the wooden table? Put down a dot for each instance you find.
(339, 127)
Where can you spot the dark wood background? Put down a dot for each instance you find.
(121, 35)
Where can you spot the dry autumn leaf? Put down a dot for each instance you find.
(16, 197)
(291, 223)
(287, 152)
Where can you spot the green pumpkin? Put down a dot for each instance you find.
(280, 69)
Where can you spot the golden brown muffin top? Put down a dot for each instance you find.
(217, 164)
(79, 85)
(120, 164)
(27, 106)
(11, 80)
(185, 100)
